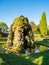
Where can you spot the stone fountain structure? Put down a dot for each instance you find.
(20, 35)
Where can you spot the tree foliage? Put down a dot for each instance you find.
(33, 26)
(43, 24)
(3, 26)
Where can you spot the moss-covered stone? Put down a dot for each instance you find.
(20, 34)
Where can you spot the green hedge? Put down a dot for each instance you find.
(3, 39)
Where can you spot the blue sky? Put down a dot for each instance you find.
(32, 9)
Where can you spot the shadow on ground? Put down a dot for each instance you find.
(12, 59)
(41, 58)
(43, 42)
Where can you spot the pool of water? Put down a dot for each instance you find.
(1, 48)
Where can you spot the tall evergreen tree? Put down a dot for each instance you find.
(43, 24)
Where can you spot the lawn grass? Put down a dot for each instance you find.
(41, 58)
(12, 59)
(3, 41)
